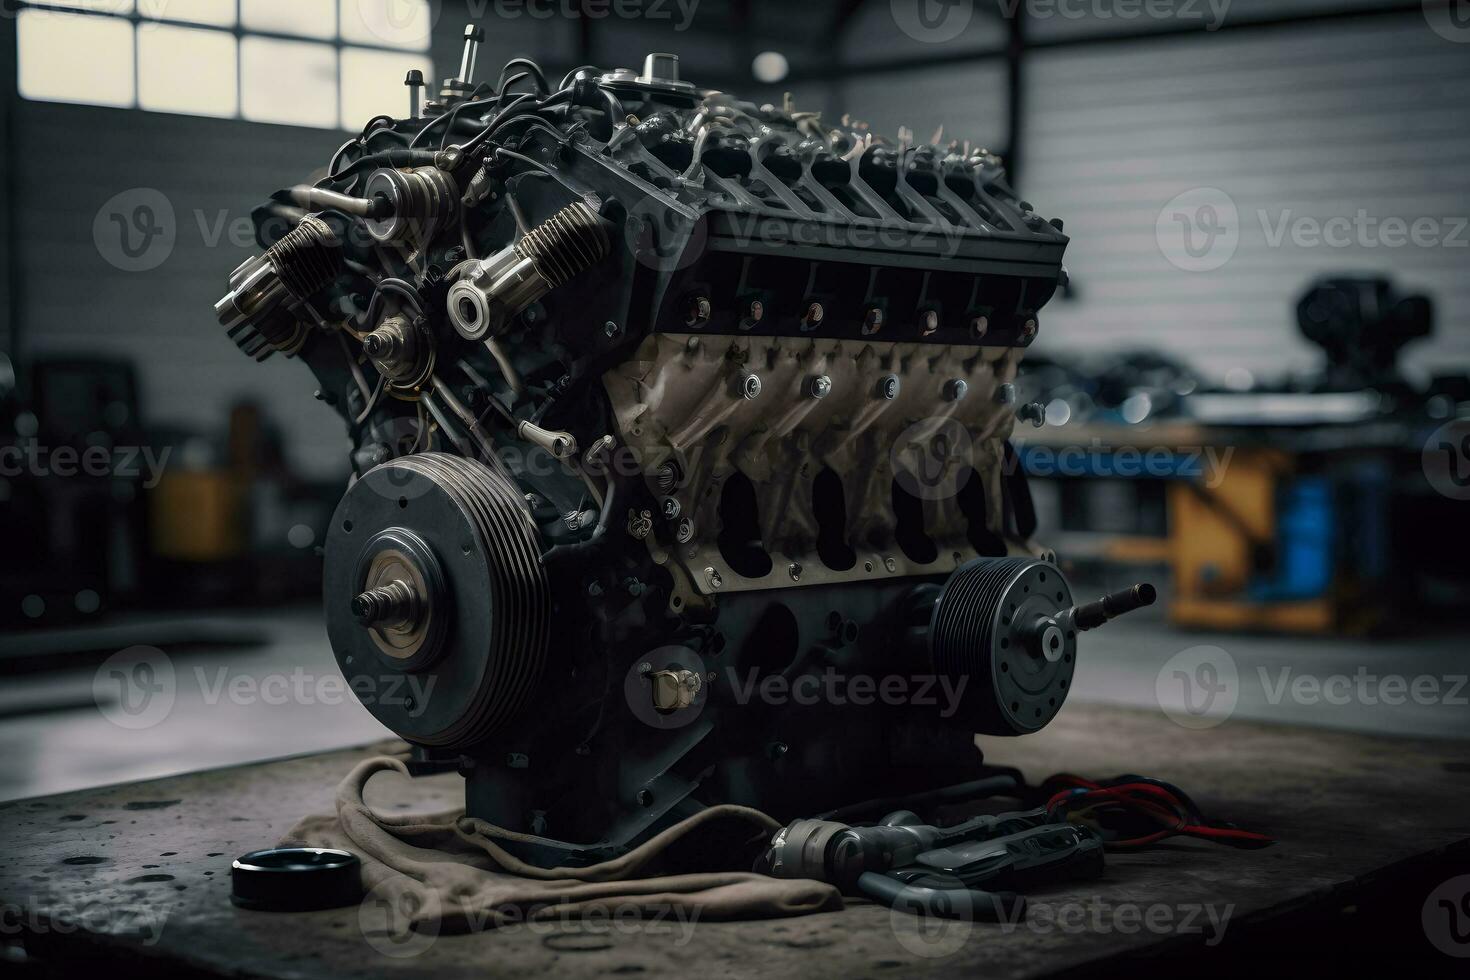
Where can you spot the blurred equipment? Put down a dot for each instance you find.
(1300, 507)
(633, 398)
(1362, 325)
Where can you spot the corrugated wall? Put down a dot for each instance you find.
(1297, 125)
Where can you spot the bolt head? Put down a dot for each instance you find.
(698, 313)
(671, 508)
(889, 386)
(930, 321)
(755, 311)
(872, 320)
(611, 329)
(980, 326)
(890, 564)
(813, 316)
(955, 389)
(713, 578)
(794, 570)
(685, 532)
(820, 386)
(750, 387)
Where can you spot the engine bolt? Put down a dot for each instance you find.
(820, 386)
(671, 508)
(872, 320)
(931, 322)
(1005, 394)
(698, 313)
(685, 532)
(888, 386)
(1033, 412)
(979, 326)
(813, 317)
(645, 798)
(1028, 331)
(712, 577)
(611, 329)
(750, 386)
(794, 570)
(955, 389)
(754, 310)
(890, 564)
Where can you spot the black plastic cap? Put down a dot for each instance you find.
(296, 879)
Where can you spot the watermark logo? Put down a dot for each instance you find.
(1446, 917)
(662, 239)
(1198, 230)
(134, 231)
(933, 458)
(99, 918)
(399, 918)
(395, 23)
(135, 688)
(932, 21)
(1198, 687)
(1450, 19)
(1446, 459)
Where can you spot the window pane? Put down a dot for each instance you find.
(218, 12)
(181, 69)
(372, 84)
(75, 58)
(308, 18)
(123, 7)
(288, 81)
(387, 23)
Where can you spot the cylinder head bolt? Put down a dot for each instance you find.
(489, 292)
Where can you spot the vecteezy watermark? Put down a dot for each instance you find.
(97, 917)
(1205, 464)
(836, 688)
(135, 229)
(1198, 687)
(1201, 229)
(31, 458)
(137, 688)
(924, 933)
(1363, 687)
(1201, 687)
(1362, 229)
(1446, 459)
(1450, 19)
(938, 21)
(933, 459)
(396, 23)
(679, 12)
(1198, 230)
(1446, 917)
(401, 918)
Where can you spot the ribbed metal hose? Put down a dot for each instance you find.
(307, 257)
(564, 244)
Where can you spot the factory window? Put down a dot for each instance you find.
(322, 63)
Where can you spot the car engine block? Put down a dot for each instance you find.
(681, 448)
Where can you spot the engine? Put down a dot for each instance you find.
(680, 429)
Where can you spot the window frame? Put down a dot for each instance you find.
(141, 21)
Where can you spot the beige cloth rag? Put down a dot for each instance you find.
(449, 874)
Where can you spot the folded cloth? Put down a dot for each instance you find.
(449, 874)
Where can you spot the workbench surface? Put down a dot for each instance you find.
(138, 875)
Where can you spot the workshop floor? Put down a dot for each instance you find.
(265, 686)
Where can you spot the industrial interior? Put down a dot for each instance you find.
(858, 487)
